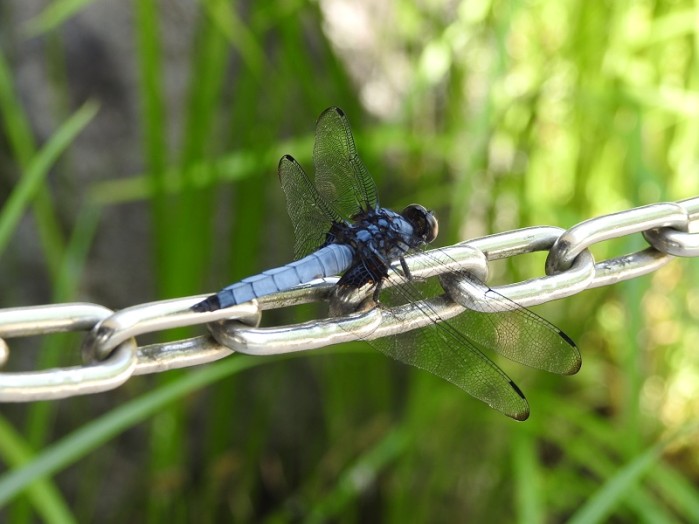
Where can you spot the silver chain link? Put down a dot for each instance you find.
(111, 354)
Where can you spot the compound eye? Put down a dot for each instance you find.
(423, 221)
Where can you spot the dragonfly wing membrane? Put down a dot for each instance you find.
(341, 177)
(443, 350)
(310, 216)
(514, 331)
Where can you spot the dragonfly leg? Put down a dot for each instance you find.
(377, 291)
(406, 270)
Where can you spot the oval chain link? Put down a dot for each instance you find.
(111, 355)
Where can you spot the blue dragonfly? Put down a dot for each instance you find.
(341, 228)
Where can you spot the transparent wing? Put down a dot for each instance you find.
(443, 350)
(453, 349)
(310, 216)
(341, 178)
(515, 332)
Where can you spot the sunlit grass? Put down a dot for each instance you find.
(496, 115)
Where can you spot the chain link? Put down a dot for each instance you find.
(111, 354)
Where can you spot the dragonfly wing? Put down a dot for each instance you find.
(443, 350)
(311, 216)
(501, 325)
(456, 348)
(341, 177)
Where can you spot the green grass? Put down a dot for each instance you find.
(496, 115)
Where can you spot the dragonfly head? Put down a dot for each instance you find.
(423, 221)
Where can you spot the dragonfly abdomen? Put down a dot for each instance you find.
(330, 260)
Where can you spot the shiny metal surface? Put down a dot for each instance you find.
(571, 243)
(111, 355)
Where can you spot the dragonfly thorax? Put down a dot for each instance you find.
(384, 233)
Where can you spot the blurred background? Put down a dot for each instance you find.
(151, 132)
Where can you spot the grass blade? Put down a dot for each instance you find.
(46, 499)
(600, 505)
(38, 168)
(68, 450)
(54, 15)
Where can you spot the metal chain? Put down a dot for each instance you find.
(111, 354)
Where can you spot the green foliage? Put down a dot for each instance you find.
(498, 115)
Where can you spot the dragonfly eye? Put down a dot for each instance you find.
(423, 221)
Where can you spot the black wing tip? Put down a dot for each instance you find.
(517, 390)
(567, 339)
(288, 158)
(211, 303)
(577, 363)
(333, 109)
(282, 160)
(523, 414)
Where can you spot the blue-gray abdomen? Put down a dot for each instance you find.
(328, 261)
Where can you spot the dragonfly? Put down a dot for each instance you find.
(341, 229)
